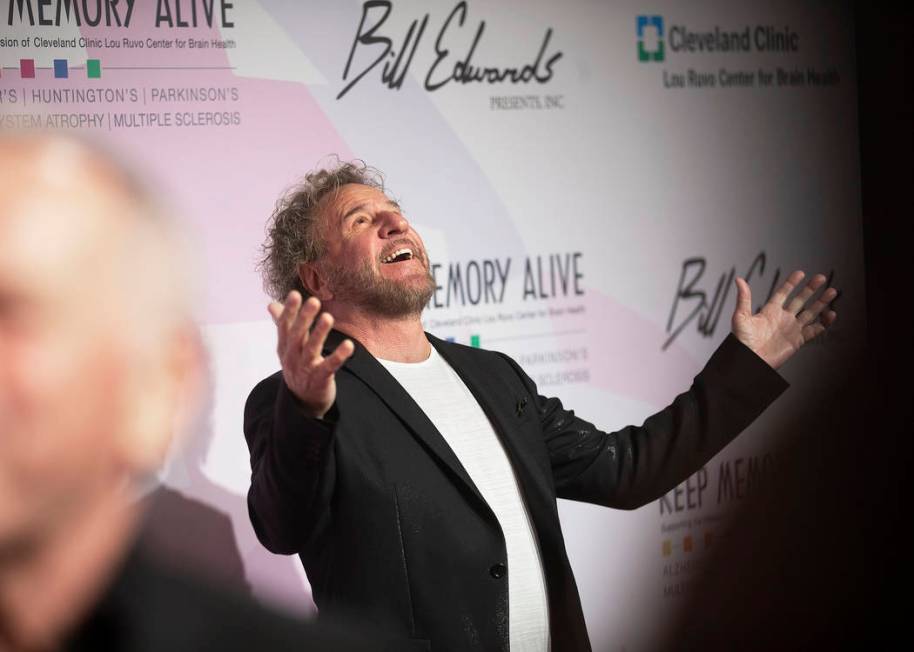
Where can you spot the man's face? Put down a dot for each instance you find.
(374, 259)
(61, 362)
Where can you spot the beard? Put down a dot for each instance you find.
(381, 296)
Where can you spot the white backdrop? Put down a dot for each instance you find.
(575, 204)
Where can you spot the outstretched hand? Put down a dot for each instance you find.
(308, 374)
(780, 328)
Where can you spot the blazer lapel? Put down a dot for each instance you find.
(372, 373)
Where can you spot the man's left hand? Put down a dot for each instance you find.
(780, 328)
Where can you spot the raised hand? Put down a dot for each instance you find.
(779, 329)
(308, 374)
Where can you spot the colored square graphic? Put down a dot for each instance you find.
(27, 68)
(667, 548)
(657, 52)
(60, 69)
(474, 341)
(93, 68)
(687, 544)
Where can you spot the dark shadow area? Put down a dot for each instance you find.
(191, 537)
(819, 559)
(810, 562)
(191, 529)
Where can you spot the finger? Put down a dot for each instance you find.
(812, 331)
(275, 309)
(743, 297)
(796, 304)
(291, 306)
(315, 341)
(298, 333)
(810, 314)
(283, 314)
(828, 318)
(780, 296)
(334, 361)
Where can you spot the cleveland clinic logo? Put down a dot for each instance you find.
(650, 38)
(653, 39)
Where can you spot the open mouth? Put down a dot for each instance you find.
(398, 256)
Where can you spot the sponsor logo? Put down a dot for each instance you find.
(654, 41)
(375, 49)
(651, 45)
(112, 13)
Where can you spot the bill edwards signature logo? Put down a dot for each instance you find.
(447, 66)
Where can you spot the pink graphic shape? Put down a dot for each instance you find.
(27, 68)
(222, 180)
(624, 350)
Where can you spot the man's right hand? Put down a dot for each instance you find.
(308, 374)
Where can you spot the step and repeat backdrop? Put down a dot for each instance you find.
(588, 176)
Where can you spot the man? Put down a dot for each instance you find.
(100, 362)
(418, 479)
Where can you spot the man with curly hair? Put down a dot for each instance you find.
(416, 478)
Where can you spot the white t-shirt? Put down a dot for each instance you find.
(454, 411)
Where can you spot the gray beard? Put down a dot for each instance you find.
(378, 295)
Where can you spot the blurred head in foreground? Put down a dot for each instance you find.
(100, 363)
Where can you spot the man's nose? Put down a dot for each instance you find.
(393, 223)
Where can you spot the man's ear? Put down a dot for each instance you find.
(314, 281)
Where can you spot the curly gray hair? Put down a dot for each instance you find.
(293, 236)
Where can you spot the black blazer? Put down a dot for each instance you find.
(393, 533)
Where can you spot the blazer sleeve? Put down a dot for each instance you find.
(631, 467)
(291, 466)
